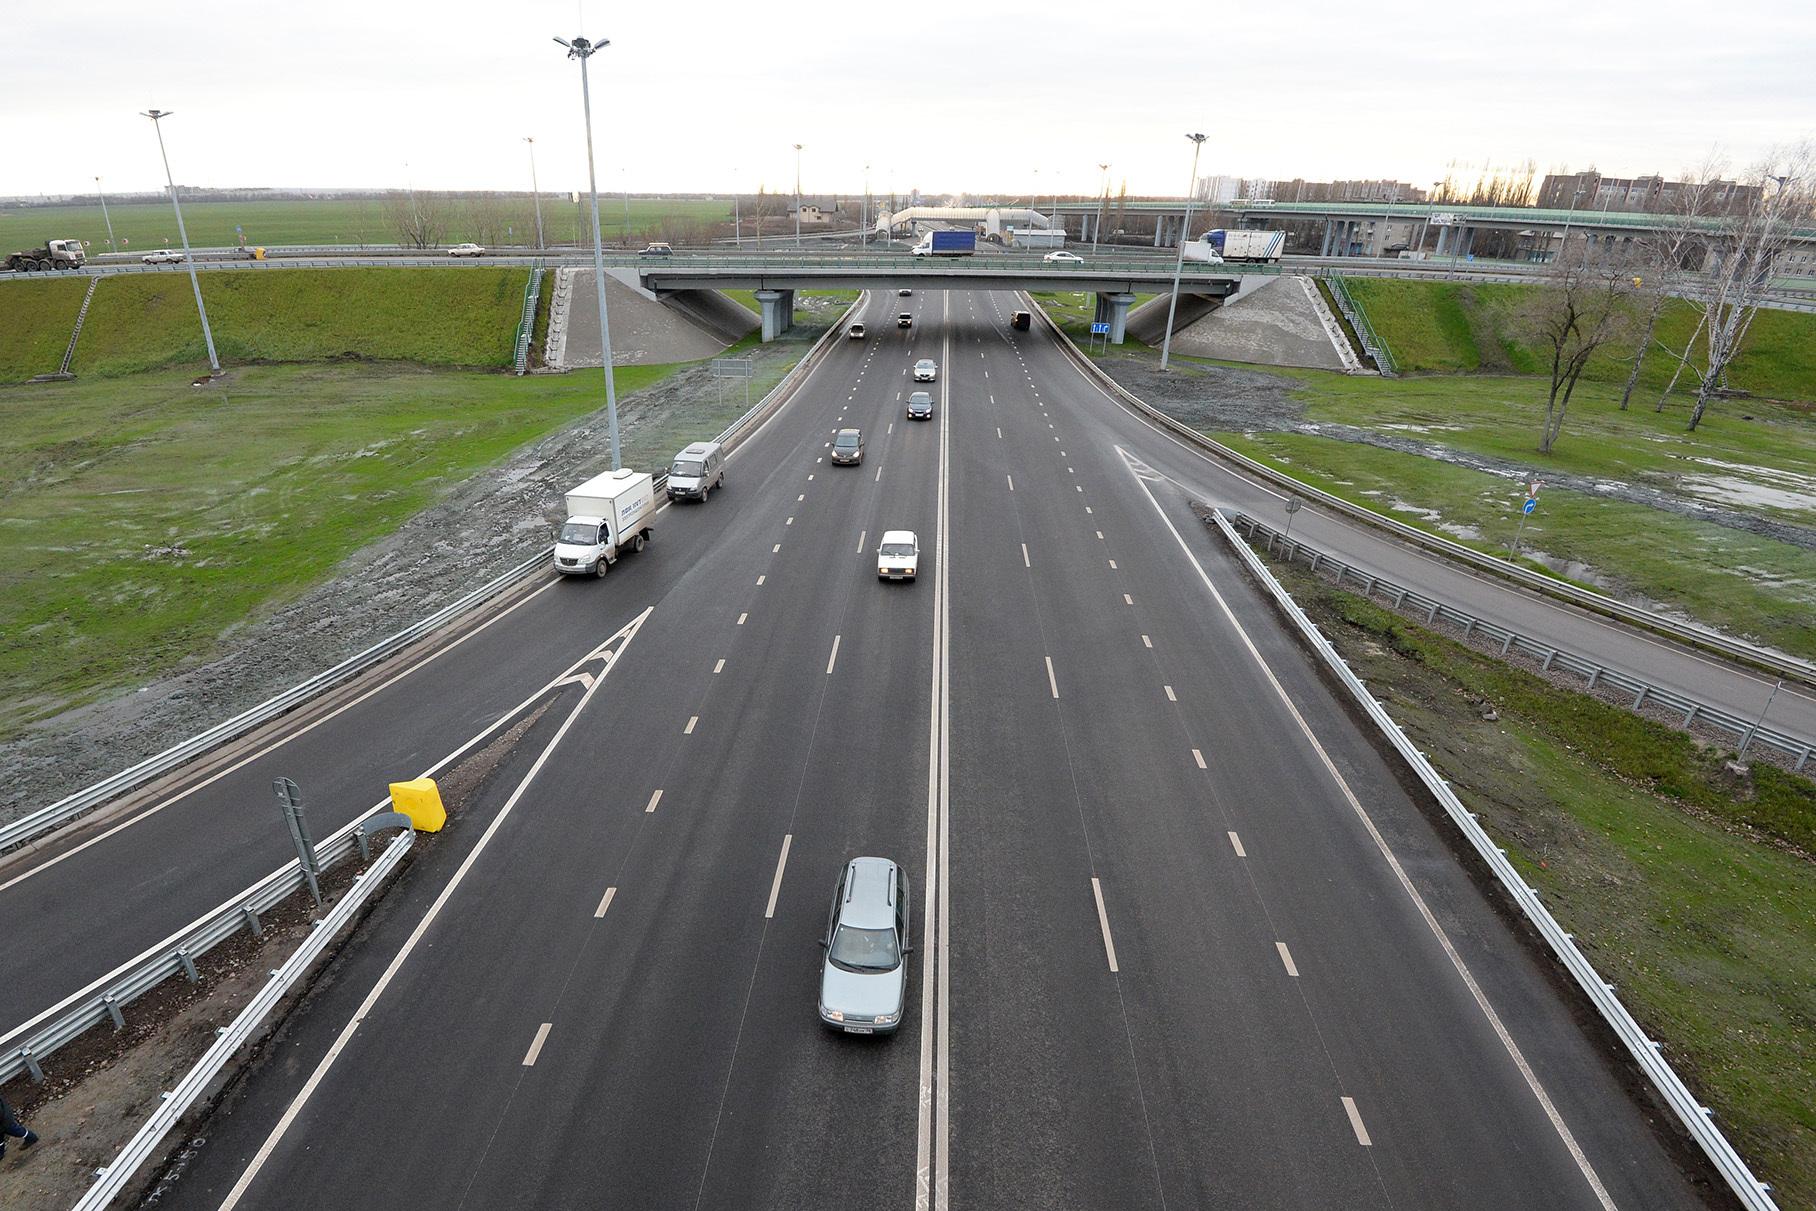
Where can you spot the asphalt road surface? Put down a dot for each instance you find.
(1181, 938)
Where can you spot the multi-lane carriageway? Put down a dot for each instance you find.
(1182, 940)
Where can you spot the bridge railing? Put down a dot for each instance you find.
(1352, 309)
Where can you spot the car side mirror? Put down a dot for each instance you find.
(908, 950)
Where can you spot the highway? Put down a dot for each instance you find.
(1182, 940)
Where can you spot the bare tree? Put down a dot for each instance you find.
(487, 217)
(419, 219)
(1579, 309)
(1743, 256)
(1665, 255)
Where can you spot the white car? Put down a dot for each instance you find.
(466, 250)
(899, 555)
(164, 256)
(1062, 257)
(926, 370)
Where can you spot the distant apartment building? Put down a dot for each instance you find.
(1219, 189)
(1301, 190)
(1590, 190)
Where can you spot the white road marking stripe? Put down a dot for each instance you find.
(1171, 697)
(605, 903)
(1355, 1121)
(1146, 642)
(890, 429)
(1080, 487)
(1100, 536)
(879, 476)
(653, 800)
(999, 433)
(1026, 563)
(1113, 565)
(742, 617)
(760, 580)
(775, 886)
(1087, 508)
(800, 498)
(1236, 844)
(789, 522)
(719, 667)
(1103, 919)
(776, 550)
(862, 535)
(1051, 683)
(1127, 600)
(529, 1059)
(834, 658)
(693, 721)
(810, 474)
(1286, 957)
(1011, 480)
(1198, 756)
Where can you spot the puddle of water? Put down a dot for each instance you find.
(1433, 428)
(1406, 506)
(1460, 530)
(1733, 490)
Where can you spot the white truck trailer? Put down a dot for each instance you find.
(606, 515)
(1263, 247)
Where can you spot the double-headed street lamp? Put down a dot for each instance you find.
(583, 50)
(535, 191)
(214, 363)
(1185, 229)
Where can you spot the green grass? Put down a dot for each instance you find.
(1464, 327)
(36, 318)
(455, 317)
(1692, 891)
(141, 518)
(145, 225)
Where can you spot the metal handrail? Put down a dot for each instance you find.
(1354, 312)
(1646, 1052)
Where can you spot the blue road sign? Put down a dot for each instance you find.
(1100, 329)
(238, 230)
(1529, 506)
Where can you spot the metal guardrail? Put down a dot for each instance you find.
(176, 1102)
(1646, 1052)
(1352, 309)
(1787, 667)
(1747, 733)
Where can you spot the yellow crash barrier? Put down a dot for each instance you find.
(420, 800)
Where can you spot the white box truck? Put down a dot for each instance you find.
(606, 515)
(1218, 245)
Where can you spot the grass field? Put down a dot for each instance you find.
(140, 518)
(1461, 327)
(454, 317)
(144, 225)
(1693, 891)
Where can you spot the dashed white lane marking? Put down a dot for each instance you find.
(1113, 565)
(1100, 536)
(760, 580)
(1198, 756)
(879, 476)
(776, 550)
(1355, 1121)
(1025, 561)
(1236, 844)
(653, 800)
(1146, 642)
(1171, 696)
(890, 429)
(542, 1035)
(1127, 600)
(862, 535)
(605, 903)
(1080, 487)
(816, 459)
(810, 474)
(834, 658)
(1087, 508)
(775, 886)
(1051, 683)
(693, 721)
(999, 433)
(742, 617)
(800, 498)
(1286, 957)
(1011, 480)
(1103, 920)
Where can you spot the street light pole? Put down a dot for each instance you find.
(111, 246)
(1564, 244)
(1097, 227)
(1166, 343)
(536, 192)
(864, 231)
(797, 148)
(583, 50)
(214, 363)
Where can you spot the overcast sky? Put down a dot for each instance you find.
(1020, 99)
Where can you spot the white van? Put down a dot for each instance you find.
(696, 471)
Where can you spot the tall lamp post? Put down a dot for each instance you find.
(111, 246)
(1166, 343)
(535, 192)
(583, 50)
(1104, 206)
(797, 148)
(864, 231)
(1563, 245)
(156, 116)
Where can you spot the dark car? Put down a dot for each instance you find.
(1020, 321)
(920, 406)
(848, 447)
(905, 320)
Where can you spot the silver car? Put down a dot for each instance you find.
(864, 980)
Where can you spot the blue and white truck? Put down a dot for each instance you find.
(1255, 247)
(947, 243)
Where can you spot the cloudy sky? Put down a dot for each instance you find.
(695, 96)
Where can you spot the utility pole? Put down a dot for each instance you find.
(583, 50)
(1564, 244)
(1097, 228)
(535, 192)
(797, 148)
(111, 246)
(1185, 228)
(156, 116)
(864, 229)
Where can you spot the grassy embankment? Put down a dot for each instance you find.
(748, 299)
(1691, 889)
(145, 225)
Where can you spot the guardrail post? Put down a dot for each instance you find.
(1803, 758)
(1641, 699)
(1507, 643)
(113, 1011)
(1399, 596)
(188, 965)
(1549, 657)
(1690, 715)
(31, 1065)
(252, 920)
(1595, 675)
(1468, 625)
(1341, 568)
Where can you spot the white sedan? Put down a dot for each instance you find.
(164, 256)
(899, 556)
(926, 370)
(466, 250)
(1062, 257)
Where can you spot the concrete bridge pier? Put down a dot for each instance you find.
(1114, 310)
(778, 312)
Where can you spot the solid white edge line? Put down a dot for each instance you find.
(1431, 921)
(627, 633)
(605, 902)
(1286, 958)
(775, 886)
(1355, 1122)
(1103, 920)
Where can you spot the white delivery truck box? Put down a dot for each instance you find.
(606, 515)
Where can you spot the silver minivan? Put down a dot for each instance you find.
(696, 471)
(864, 979)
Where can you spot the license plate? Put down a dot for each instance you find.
(859, 1030)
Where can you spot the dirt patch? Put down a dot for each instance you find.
(1214, 398)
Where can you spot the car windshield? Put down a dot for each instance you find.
(687, 468)
(856, 949)
(896, 550)
(580, 534)
(845, 441)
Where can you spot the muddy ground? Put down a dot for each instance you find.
(478, 531)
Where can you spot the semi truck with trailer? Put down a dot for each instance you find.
(607, 515)
(947, 243)
(1253, 247)
(55, 254)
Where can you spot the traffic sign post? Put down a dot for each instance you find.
(1532, 502)
(1293, 505)
(1100, 328)
(722, 368)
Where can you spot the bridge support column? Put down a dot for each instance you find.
(1114, 308)
(1324, 248)
(778, 312)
